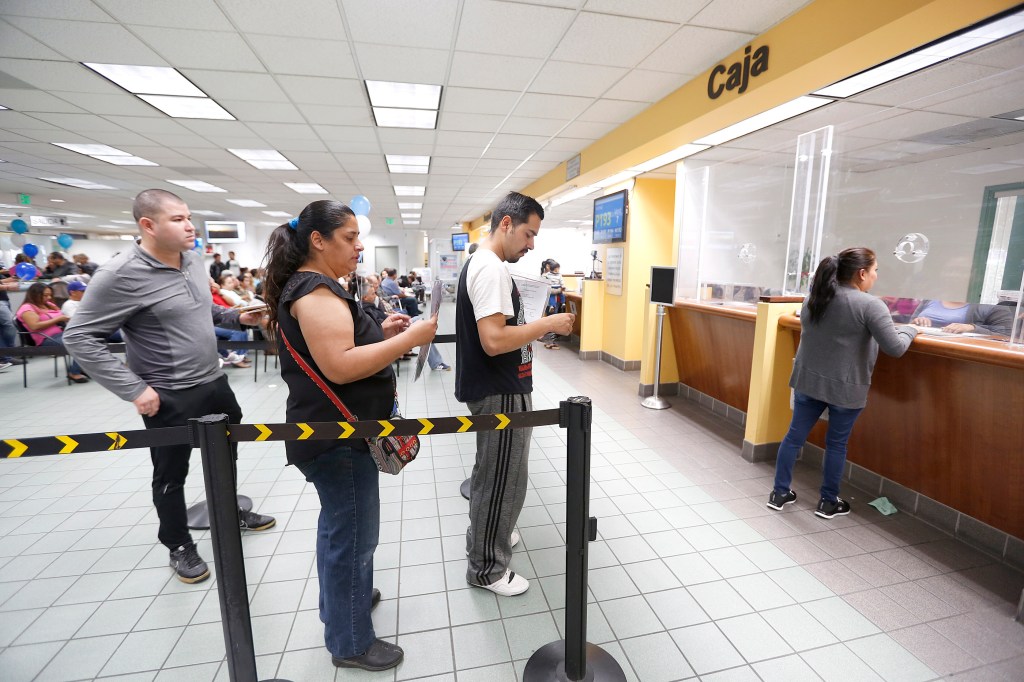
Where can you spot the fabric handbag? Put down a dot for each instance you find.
(390, 453)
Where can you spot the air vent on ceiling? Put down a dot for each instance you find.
(972, 131)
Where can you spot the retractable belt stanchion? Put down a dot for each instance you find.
(573, 658)
(211, 434)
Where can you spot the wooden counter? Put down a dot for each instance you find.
(577, 299)
(714, 347)
(947, 420)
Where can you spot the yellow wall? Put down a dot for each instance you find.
(649, 236)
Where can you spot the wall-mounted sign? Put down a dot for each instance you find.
(737, 75)
(572, 168)
(24, 199)
(389, 221)
(46, 221)
(613, 270)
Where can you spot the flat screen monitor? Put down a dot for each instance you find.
(611, 214)
(460, 240)
(224, 232)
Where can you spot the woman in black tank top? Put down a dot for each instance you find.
(337, 348)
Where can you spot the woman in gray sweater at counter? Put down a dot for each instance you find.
(842, 328)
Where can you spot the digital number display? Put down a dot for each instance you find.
(610, 218)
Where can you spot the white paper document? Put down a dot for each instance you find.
(534, 293)
(435, 306)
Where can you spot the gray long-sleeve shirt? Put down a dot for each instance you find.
(164, 314)
(837, 353)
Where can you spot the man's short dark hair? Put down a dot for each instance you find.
(149, 202)
(518, 207)
(57, 255)
(391, 272)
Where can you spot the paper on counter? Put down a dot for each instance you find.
(435, 307)
(534, 293)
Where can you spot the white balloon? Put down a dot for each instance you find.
(364, 226)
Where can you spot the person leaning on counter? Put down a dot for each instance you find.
(958, 318)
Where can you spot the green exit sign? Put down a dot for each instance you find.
(389, 221)
(24, 199)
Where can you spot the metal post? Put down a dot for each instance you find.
(573, 658)
(655, 402)
(219, 476)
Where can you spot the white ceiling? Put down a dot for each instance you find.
(526, 85)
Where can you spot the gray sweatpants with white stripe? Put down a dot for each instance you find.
(498, 489)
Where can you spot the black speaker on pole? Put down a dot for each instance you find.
(663, 284)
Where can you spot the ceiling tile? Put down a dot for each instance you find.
(310, 19)
(612, 111)
(531, 125)
(56, 9)
(314, 58)
(694, 49)
(363, 146)
(344, 92)
(196, 14)
(678, 11)
(645, 86)
(118, 104)
(45, 75)
(590, 130)
(919, 90)
(459, 139)
(533, 30)
(907, 124)
(315, 161)
(78, 123)
(283, 131)
(405, 136)
(35, 100)
(477, 101)
(481, 123)
(633, 39)
(568, 78)
(158, 125)
(504, 72)
(409, 23)
(191, 49)
(402, 64)
(329, 115)
(89, 41)
(295, 144)
(552, 106)
(743, 15)
(16, 43)
(281, 112)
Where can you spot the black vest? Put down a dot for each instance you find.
(369, 398)
(477, 374)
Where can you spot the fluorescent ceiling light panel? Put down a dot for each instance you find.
(61, 201)
(278, 214)
(405, 205)
(795, 107)
(412, 215)
(410, 190)
(617, 178)
(410, 222)
(405, 118)
(125, 160)
(264, 159)
(417, 170)
(926, 56)
(148, 80)
(3, 108)
(404, 95)
(246, 203)
(188, 107)
(206, 213)
(197, 185)
(123, 222)
(574, 194)
(306, 187)
(103, 152)
(407, 159)
(669, 157)
(75, 182)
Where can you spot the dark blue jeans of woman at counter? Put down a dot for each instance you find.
(347, 534)
(806, 412)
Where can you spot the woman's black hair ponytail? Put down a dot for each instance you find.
(833, 271)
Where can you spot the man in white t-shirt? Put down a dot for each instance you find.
(76, 290)
(494, 374)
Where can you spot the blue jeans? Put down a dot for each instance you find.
(58, 340)
(806, 411)
(8, 332)
(230, 335)
(347, 533)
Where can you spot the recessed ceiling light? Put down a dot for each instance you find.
(412, 215)
(410, 222)
(794, 107)
(148, 80)
(278, 214)
(122, 222)
(404, 205)
(418, 170)
(75, 182)
(669, 157)
(128, 237)
(246, 203)
(126, 160)
(407, 159)
(3, 108)
(197, 185)
(57, 201)
(206, 213)
(410, 190)
(188, 107)
(404, 95)
(305, 187)
(405, 118)
(106, 153)
(264, 159)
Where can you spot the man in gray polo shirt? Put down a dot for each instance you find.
(156, 292)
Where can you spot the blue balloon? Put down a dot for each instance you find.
(30, 250)
(65, 241)
(360, 205)
(25, 271)
(19, 226)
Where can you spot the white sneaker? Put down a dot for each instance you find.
(5, 365)
(508, 585)
(514, 537)
(233, 357)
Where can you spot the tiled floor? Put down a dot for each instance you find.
(691, 575)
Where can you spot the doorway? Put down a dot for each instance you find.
(385, 257)
(999, 252)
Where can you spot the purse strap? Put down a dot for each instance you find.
(312, 374)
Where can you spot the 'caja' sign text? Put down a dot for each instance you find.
(737, 76)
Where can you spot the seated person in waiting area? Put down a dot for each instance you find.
(957, 318)
(231, 357)
(45, 322)
(232, 292)
(379, 310)
(389, 288)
